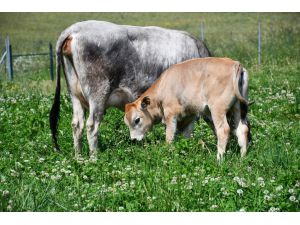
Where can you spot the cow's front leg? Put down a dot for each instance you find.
(171, 125)
(92, 126)
(186, 126)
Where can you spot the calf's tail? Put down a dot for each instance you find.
(240, 82)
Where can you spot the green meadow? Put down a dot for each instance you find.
(152, 175)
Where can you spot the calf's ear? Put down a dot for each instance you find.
(145, 102)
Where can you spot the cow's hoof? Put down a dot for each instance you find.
(93, 159)
(79, 158)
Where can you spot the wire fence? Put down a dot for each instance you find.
(24, 63)
(262, 43)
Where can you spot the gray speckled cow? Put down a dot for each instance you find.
(110, 65)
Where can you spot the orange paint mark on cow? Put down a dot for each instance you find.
(67, 47)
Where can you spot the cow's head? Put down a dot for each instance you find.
(138, 118)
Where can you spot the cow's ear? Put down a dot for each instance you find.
(145, 102)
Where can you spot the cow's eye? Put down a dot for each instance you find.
(137, 120)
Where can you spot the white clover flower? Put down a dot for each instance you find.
(239, 191)
(242, 182)
(260, 179)
(132, 183)
(267, 198)
(14, 173)
(128, 168)
(214, 207)
(85, 177)
(273, 209)
(292, 198)
(225, 193)
(174, 180)
(41, 160)
(236, 179)
(190, 185)
(279, 188)
(58, 177)
(266, 192)
(204, 182)
(52, 191)
(5, 193)
(9, 208)
(291, 190)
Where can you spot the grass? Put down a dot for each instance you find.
(151, 175)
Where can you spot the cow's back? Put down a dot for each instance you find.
(130, 56)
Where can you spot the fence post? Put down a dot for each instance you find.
(259, 43)
(202, 31)
(51, 61)
(9, 59)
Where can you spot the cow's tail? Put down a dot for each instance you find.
(201, 45)
(203, 49)
(54, 113)
(240, 84)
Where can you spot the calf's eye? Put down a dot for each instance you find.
(136, 121)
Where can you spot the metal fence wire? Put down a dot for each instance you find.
(23, 64)
(256, 44)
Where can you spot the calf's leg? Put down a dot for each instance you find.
(171, 125)
(241, 129)
(222, 131)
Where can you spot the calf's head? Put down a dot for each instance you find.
(138, 118)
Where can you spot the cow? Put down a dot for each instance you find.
(216, 88)
(108, 65)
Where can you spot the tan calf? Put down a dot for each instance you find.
(215, 88)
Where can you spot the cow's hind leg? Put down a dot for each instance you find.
(92, 125)
(78, 111)
(222, 131)
(77, 125)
